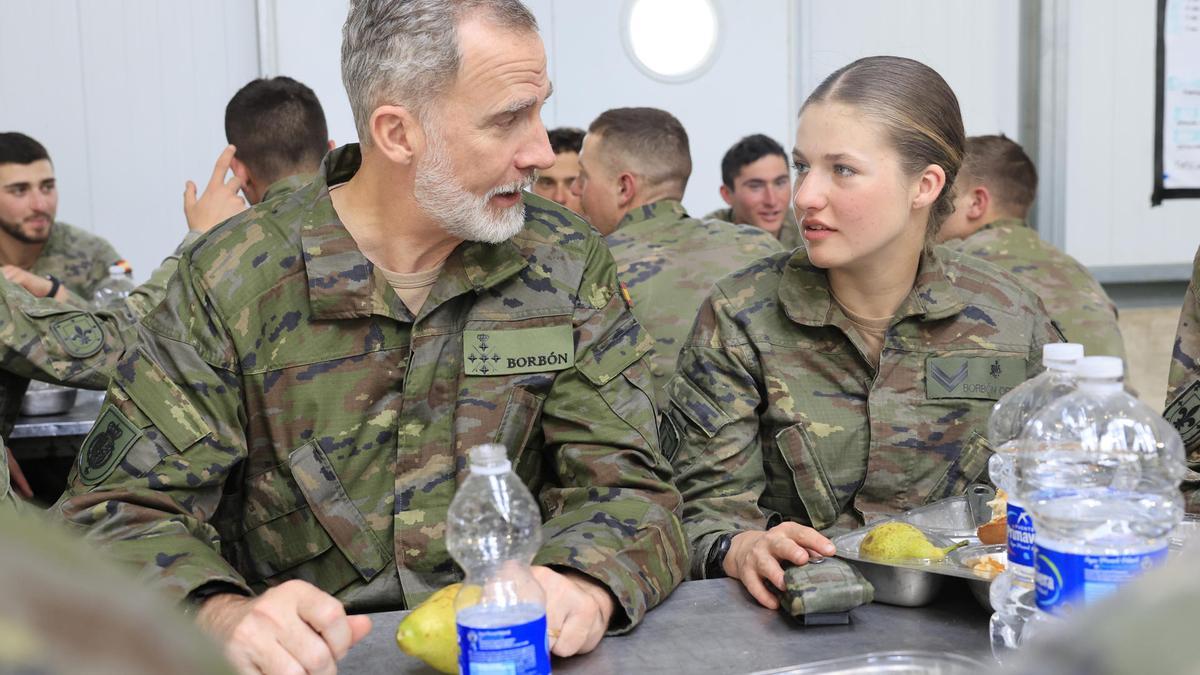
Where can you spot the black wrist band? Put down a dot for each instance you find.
(714, 565)
(55, 284)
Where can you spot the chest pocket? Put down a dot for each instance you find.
(301, 524)
(794, 471)
(517, 433)
(970, 467)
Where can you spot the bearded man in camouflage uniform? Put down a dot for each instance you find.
(634, 169)
(284, 442)
(995, 190)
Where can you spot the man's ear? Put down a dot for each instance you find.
(239, 169)
(981, 201)
(727, 195)
(627, 189)
(396, 133)
(331, 144)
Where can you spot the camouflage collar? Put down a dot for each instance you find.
(1001, 223)
(343, 284)
(670, 209)
(284, 186)
(804, 292)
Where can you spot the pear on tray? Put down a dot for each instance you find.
(898, 542)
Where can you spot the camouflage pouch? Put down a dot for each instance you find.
(827, 588)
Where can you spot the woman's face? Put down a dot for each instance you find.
(857, 207)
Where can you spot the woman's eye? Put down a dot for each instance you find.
(843, 170)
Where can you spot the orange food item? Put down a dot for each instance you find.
(988, 566)
(994, 531)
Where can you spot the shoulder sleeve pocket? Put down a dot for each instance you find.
(162, 401)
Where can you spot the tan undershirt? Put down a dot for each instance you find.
(870, 329)
(413, 288)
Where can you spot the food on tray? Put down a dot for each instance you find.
(988, 565)
(995, 531)
(894, 541)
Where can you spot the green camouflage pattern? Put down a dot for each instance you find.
(77, 257)
(779, 414)
(1183, 386)
(9, 502)
(824, 585)
(669, 261)
(789, 231)
(294, 420)
(1075, 300)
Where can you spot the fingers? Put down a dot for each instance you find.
(18, 477)
(221, 167)
(327, 617)
(754, 585)
(307, 647)
(189, 196)
(807, 537)
(360, 627)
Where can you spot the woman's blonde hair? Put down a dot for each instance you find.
(918, 110)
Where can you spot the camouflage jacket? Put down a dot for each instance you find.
(789, 233)
(669, 261)
(285, 416)
(1183, 384)
(776, 413)
(1075, 300)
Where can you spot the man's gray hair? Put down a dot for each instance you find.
(406, 52)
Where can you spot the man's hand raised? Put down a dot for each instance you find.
(220, 200)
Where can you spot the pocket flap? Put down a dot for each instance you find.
(812, 484)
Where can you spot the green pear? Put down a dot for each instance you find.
(430, 632)
(893, 541)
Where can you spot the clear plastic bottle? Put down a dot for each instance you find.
(115, 288)
(1101, 471)
(493, 531)
(1012, 593)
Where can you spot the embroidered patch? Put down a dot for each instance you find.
(106, 446)
(972, 377)
(79, 335)
(1184, 414)
(521, 350)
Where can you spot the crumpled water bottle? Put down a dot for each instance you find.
(1101, 471)
(113, 290)
(493, 531)
(1012, 592)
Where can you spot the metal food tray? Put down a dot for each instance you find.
(913, 583)
(894, 663)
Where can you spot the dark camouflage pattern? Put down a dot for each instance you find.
(781, 416)
(824, 585)
(789, 231)
(669, 261)
(1183, 386)
(293, 420)
(1075, 300)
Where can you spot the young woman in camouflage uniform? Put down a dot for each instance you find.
(855, 375)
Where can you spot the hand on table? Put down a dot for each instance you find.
(220, 200)
(37, 286)
(577, 610)
(292, 628)
(18, 477)
(755, 555)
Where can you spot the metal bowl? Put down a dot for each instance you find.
(47, 399)
(981, 586)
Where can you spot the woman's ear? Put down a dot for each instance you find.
(929, 186)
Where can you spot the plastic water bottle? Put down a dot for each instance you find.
(1012, 592)
(115, 288)
(493, 530)
(1102, 473)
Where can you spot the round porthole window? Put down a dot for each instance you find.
(671, 40)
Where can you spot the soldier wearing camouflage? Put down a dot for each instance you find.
(1183, 384)
(777, 414)
(1072, 296)
(668, 261)
(789, 232)
(285, 416)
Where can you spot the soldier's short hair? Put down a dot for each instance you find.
(1000, 164)
(278, 127)
(918, 111)
(17, 148)
(406, 52)
(747, 151)
(566, 139)
(648, 142)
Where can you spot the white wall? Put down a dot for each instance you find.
(129, 98)
(1107, 132)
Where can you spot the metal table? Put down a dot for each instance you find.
(77, 421)
(713, 626)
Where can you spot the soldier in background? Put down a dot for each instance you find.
(279, 130)
(636, 163)
(554, 182)
(757, 187)
(1183, 386)
(855, 375)
(993, 195)
(283, 443)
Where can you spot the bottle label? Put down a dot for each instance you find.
(1069, 580)
(523, 649)
(1020, 536)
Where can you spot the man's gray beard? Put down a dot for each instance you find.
(462, 214)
